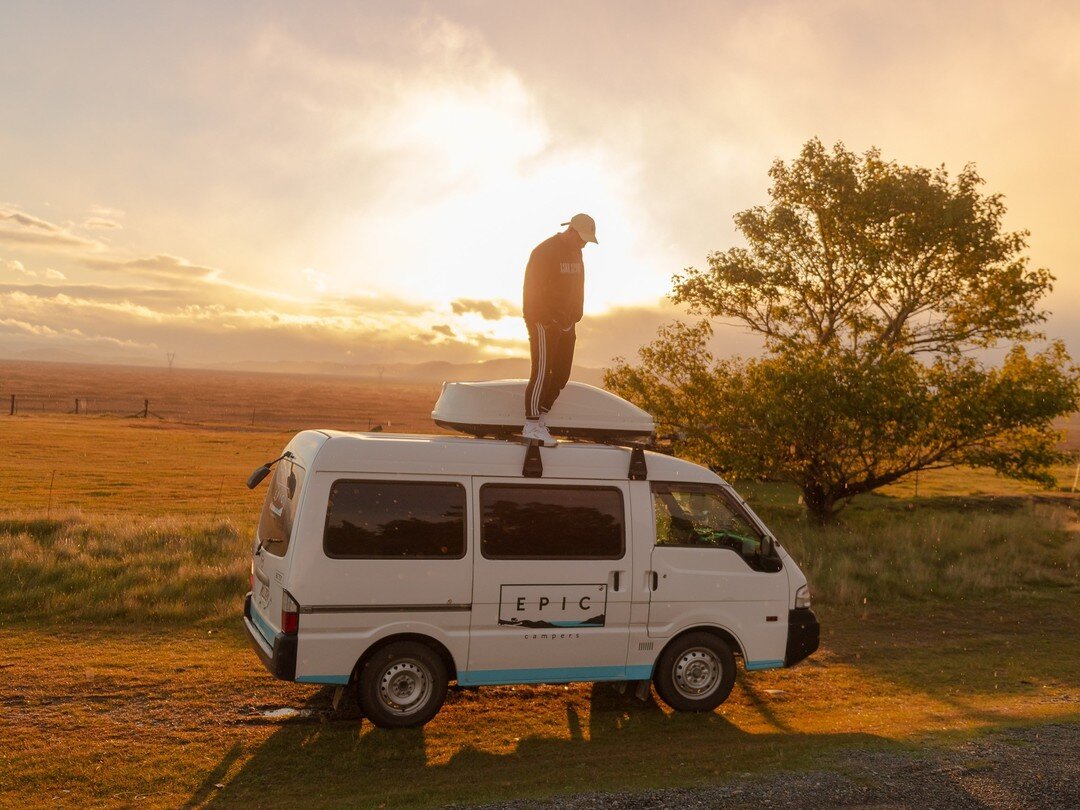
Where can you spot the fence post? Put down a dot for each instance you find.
(145, 408)
(48, 511)
(12, 404)
(76, 406)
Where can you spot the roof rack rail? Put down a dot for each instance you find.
(533, 466)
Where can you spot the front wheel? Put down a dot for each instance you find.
(695, 673)
(403, 685)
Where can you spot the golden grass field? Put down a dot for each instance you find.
(125, 678)
(289, 401)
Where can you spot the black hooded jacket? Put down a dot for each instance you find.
(554, 283)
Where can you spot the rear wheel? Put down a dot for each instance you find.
(403, 685)
(695, 673)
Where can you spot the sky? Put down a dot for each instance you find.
(363, 182)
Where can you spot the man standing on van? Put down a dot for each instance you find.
(554, 294)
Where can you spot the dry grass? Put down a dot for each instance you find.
(287, 401)
(106, 467)
(938, 552)
(125, 679)
(137, 570)
(114, 715)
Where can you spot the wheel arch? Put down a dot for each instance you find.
(437, 646)
(722, 633)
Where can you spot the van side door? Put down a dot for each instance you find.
(551, 583)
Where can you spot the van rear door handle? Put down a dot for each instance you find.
(615, 581)
(655, 581)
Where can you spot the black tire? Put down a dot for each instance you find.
(403, 685)
(695, 673)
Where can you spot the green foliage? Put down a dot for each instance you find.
(874, 256)
(871, 283)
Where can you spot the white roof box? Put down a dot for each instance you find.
(497, 408)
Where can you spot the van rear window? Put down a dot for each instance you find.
(395, 520)
(279, 508)
(551, 522)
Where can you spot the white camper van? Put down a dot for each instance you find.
(396, 564)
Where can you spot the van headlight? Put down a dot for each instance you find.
(802, 597)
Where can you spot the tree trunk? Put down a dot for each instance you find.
(820, 503)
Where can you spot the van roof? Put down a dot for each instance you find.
(338, 451)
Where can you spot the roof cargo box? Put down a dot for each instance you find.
(497, 408)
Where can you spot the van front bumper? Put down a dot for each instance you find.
(279, 658)
(803, 635)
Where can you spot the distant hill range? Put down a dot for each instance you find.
(434, 371)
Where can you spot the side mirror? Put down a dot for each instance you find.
(256, 477)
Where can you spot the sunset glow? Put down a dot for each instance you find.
(364, 183)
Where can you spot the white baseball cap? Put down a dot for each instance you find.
(585, 226)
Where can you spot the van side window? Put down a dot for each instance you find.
(395, 520)
(279, 507)
(700, 515)
(522, 521)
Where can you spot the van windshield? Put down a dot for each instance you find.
(279, 508)
(699, 515)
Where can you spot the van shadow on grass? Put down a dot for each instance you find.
(629, 745)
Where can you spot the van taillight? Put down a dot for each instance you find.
(290, 614)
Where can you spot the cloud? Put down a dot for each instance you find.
(212, 331)
(19, 229)
(161, 265)
(20, 336)
(151, 296)
(102, 223)
(318, 282)
(48, 274)
(28, 221)
(488, 310)
(50, 239)
(420, 151)
(106, 212)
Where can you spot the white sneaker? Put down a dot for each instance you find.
(538, 432)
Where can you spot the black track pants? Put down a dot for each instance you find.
(552, 351)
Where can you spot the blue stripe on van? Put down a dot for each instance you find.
(494, 677)
(264, 628)
(751, 665)
(340, 680)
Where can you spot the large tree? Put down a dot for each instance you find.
(875, 286)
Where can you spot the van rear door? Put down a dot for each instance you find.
(272, 541)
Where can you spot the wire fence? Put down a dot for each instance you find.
(199, 410)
